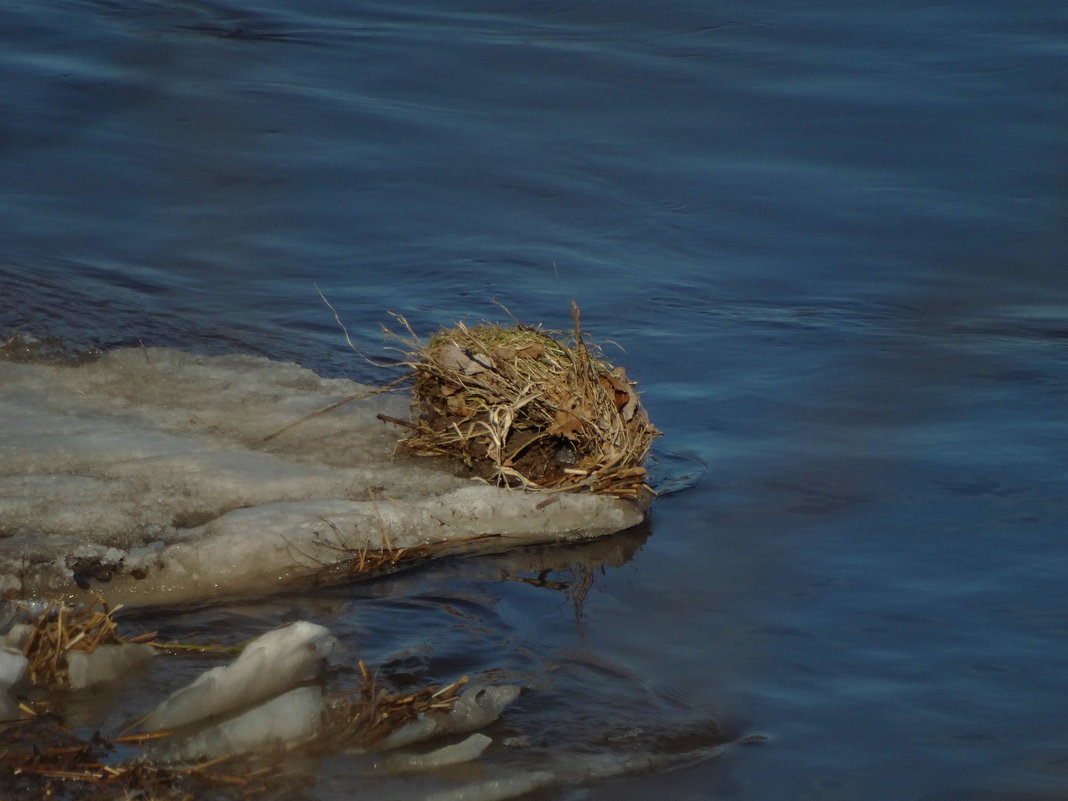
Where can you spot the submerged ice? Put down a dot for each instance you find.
(269, 698)
(268, 666)
(145, 476)
(272, 700)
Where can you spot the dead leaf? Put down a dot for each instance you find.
(622, 390)
(531, 351)
(567, 424)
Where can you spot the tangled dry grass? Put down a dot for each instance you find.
(522, 407)
(57, 630)
(376, 712)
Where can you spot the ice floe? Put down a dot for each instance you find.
(145, 476)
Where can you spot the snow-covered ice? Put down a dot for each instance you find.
(145, 477)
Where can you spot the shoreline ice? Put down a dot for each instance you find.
(144, 477)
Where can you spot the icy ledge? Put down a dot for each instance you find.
(145, 477)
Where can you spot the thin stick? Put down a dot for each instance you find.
(385, 418)
(345, 331)
(332, 406)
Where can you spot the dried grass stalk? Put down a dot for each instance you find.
(57, 630)
(376, 712)
(521, 407)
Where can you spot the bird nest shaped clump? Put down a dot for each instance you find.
(525, 408)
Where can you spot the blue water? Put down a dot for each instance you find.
(830, 237)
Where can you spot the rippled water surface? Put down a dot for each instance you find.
(831, 240)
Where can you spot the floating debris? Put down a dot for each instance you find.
(41, 758)
(377, 713)
(73, 648)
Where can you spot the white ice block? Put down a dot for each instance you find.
(106, 663)
(269, 665)
(285, 721)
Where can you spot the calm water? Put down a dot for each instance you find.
(831, 239)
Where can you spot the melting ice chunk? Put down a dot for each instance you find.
(13, 671)
(282, 722)
(13, 668)
(463, 751)
(478, 706)
(106, 663)
(268, 666)
(497, 789)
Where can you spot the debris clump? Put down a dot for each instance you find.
(75, 648)
(523, 408)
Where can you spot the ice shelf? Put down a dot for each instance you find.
(144, 476)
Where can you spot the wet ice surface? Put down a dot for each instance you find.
(145, 476)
